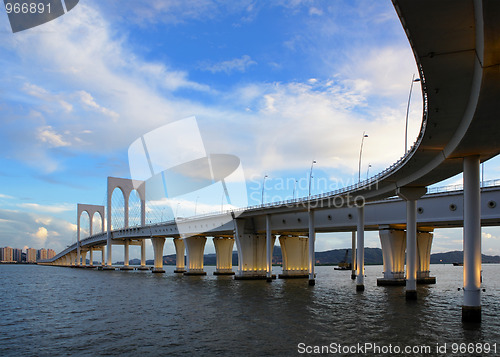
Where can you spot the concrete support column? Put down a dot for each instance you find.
(411, 194)
(269, 249)
(353, 256)
(393, 244)
(312, 239)
(72, 257)
(126, 256)
(424, 245)
(224, 255)
(471, 309)
(295, 257)
(251, 253)
(67, 260)
(108, 247)
(158, 243)
(83, 255)
(180, 266)
(91, 256)
(143, 255)
(195, 249)
(360, 253)
(103, 255)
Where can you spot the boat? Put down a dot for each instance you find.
(458, 264)
(343, 265)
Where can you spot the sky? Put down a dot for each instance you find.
(277, 84)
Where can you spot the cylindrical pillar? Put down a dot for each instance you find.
(143, 255)
(353, 256)
(83, 254)
(180, 266)
(195, 248)
(411, 249)
(471, 309)
(312, 238)
(158, 243)
(126, 257)
(224, 255)
(269, 249)
(91, 256)
(360, 254)
(103, 255)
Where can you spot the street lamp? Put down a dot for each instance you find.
(310, 176)
(413, 80)
(361, 152)
(263, 186)
(177, 209)
(368, 170)
(294, 188)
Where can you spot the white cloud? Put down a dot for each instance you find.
(48, 135)
(230, 66)
(89, 101)
(46, 96)
(48, 208)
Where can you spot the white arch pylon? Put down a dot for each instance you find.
(91, 210)
(126, 186)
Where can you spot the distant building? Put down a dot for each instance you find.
(51, 253)
(42, 254)
(6, 254)
(17, 255)
(31, 255)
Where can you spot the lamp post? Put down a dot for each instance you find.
(360, 153)
(263, 186)
(413, 80)
(310, 177)
(294, 188)
(177, 209)
(196, 204)
(368, 170)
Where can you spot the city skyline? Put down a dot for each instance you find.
(274, 84)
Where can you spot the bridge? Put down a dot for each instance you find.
(458, 58)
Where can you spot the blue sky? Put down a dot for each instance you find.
(276, 83)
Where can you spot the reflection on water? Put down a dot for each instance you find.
(50, 311)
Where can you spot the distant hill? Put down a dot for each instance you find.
(457, 256)
(373, 256)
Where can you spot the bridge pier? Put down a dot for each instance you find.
(180, 265)
(251, 253)
(424, 245)
(269, 249)
(393, 244)
(103, 259)
(295, 256)
(471, 309)
(91, 256)
(353, 256)
(143, 256)
(224, 255)
(126, 256)
(83, 256)
(72, 259)
(360, 254)
(158, 243)
(195, 248)
(411, 195)
(312, 241)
